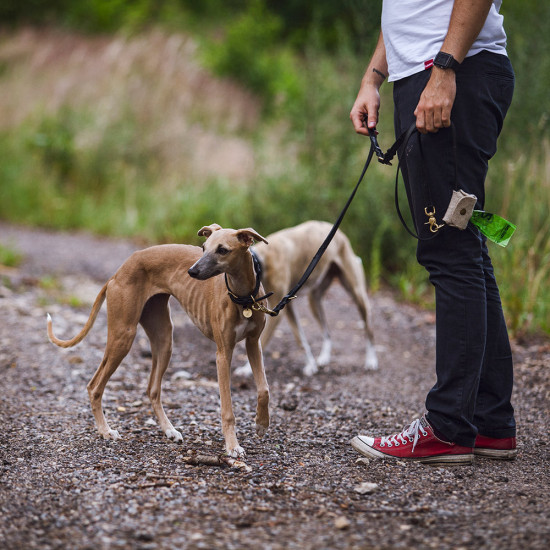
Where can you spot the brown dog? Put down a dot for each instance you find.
(286, 259)
(138, 293)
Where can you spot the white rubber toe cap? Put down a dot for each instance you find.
(364, 445)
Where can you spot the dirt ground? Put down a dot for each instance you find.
(62, 486)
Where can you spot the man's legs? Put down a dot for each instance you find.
(494, 414)
(473, 358)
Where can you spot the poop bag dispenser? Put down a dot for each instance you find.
(460, 209)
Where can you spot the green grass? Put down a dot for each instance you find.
(9, 256)
(73, 167)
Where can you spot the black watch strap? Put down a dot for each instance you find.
(446, 61)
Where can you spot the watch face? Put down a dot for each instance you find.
(445, 61)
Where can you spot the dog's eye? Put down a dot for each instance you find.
(222, 251)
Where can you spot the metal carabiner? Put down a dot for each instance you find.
(432, 222)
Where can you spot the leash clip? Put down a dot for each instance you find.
(377, 149)
(432, 222)
(256, 306)
(372, 135)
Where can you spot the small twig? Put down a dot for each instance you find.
(167, 476)
(219, 460)
(159, 484)
(391, 510)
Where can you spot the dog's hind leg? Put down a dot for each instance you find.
(311, 365)
(254, 352)
(156, 321)
(120, 337)
(315, 303)
(353, 281)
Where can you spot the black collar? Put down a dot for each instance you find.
(247, 301)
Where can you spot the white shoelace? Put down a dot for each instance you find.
(411, 432)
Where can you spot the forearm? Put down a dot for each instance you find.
(467, 20)
(367, 102)
(436, 102)
(377, 70)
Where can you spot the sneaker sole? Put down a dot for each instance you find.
(365, 450)
(497, 454)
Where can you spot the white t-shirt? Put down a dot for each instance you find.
(414, 31)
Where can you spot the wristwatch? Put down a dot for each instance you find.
(446, 61)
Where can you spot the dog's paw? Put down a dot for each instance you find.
(261, 430)
(237, 452)
(111, 434)
(323, 360)
(174, 435)
(245, 370)
(371, 363)
(310, 368)
(324, 357)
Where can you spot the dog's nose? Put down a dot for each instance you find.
(193, 272)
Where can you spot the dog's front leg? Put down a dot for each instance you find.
(255, 358)
(223, 365)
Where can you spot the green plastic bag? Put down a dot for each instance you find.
(494, 227)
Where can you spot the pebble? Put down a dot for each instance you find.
(342, 522)
(366, 488)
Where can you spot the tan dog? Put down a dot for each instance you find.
(283, 263)
(138, 293)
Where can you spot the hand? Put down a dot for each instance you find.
(367, 106)
(436, 102)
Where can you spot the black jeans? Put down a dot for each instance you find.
(473, 357)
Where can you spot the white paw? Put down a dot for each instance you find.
(245, 370)
(310, 368)
(261, 430)
(111, 434)
(237, 452)
(324, 357)
(174, 435)
(371, 362)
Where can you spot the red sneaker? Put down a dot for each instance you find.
(499, 448)
(416, 442)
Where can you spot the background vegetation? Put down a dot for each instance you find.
(154, 117)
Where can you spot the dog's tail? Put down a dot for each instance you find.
(89, 323)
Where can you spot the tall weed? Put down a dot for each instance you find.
(520, 187)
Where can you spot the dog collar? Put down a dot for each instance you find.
(250, 301)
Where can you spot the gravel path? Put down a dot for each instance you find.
(61, 486)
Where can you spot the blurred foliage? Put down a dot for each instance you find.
(357, 18)
(526, 24)
(252, 53)
(305, 60)
(258, 37)
(9, 256)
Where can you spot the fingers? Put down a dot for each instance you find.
(364, 113)
(432, 119)
(358, 117)
(363, 118)
(433, 111)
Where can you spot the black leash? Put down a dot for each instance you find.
(383, 158)
(374, 148)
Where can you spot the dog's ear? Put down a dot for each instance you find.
(248, 236)
(207, 230)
